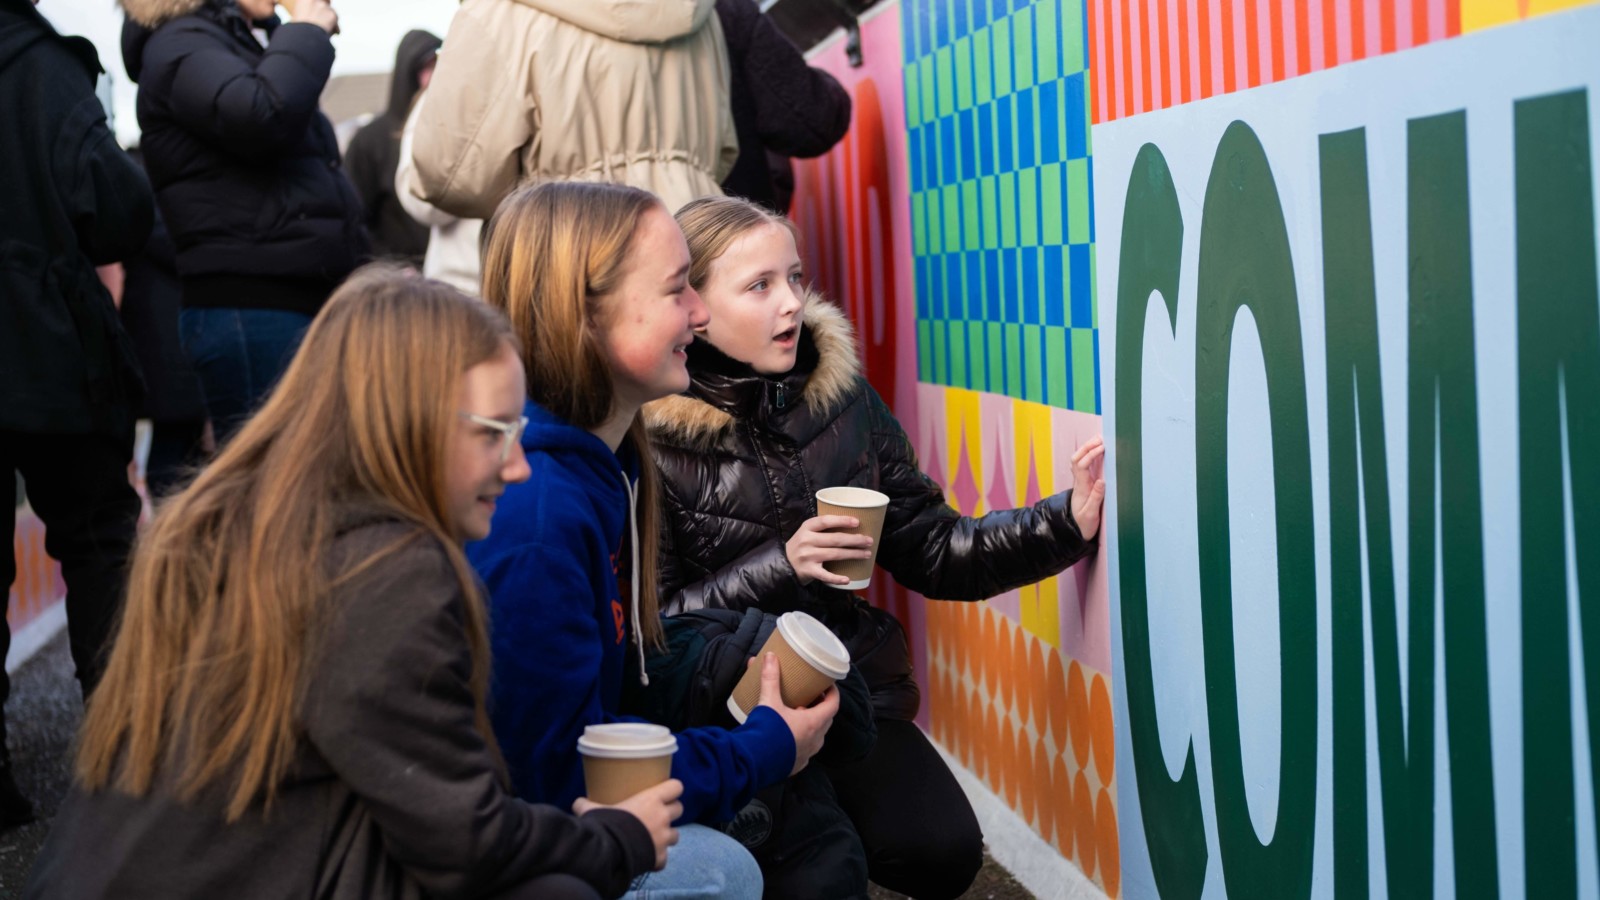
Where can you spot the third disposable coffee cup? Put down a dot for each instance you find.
(624, 758)
(810, 659)
(868, 507)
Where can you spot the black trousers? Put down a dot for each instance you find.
(78, 485)
(921, 836)
(813, 851)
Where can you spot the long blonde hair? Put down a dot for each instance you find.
(554, 254)
(229, 583)
(711, 225)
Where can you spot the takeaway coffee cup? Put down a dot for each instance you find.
(810, 660)
(624, 758)
(868, 507)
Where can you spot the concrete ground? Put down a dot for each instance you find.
(43, 715)
(993, 883)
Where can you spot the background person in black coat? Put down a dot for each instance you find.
(246, 171)
(781, 106)
(373, 156)
(69, 199)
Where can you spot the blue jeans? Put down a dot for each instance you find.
(239, 354)
(705, 863)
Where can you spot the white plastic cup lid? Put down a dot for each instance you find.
(627, 740)
(853, 497)
(815, 643)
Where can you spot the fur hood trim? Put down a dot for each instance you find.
(153, 14)
(686, 419)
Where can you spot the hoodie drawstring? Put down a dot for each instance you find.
(633, 573)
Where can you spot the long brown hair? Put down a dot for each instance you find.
(229, 583)
(554, 254)
(711, 224)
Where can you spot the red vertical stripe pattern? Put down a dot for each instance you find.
(1279, 50)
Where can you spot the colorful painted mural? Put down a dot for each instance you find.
(963, 188)
(1335, 642)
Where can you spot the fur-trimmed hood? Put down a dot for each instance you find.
(153, 14)
(688, 419)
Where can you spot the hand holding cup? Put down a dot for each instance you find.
(867, 508)
(824, 539)
(656, 807)
(809, 725)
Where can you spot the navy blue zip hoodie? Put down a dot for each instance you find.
(560, 629)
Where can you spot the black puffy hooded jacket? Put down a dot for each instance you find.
(742, 456)
(245, 166)
(69, 199)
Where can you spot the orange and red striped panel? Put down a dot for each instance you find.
(1151, 54)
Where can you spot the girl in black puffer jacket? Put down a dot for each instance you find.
(778, 409)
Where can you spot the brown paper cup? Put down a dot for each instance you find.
(867, 506)
(622, 759)
(810, 660)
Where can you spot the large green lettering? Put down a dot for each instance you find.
(1355, 407)
(1351, 318)
(1152, 247)
(1443, 426)
(1558, 358)
(1245, 264)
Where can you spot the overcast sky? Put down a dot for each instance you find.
(369, 31)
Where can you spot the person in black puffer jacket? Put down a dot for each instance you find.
(247, 176)
(777, 409)
(781, 106)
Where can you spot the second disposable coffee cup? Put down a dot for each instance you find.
(868, 507)
(624, 758)
(810, 659)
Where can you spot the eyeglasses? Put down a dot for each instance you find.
(512, 430)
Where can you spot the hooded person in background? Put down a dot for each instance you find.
(70, 200)
(374, 154)
(619, 91)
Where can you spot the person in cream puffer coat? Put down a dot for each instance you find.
(550, 90)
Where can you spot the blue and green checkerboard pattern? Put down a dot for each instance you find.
(1001, 198)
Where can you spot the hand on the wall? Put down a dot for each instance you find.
(1088, 489)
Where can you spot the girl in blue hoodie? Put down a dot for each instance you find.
(594, 278)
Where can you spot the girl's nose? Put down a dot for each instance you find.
(699, 314)
(794, 299)
(516, 469)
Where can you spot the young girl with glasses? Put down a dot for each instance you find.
(594, 278)
(777, 409)
(295, 702)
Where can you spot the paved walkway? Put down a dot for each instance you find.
(42, 717)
